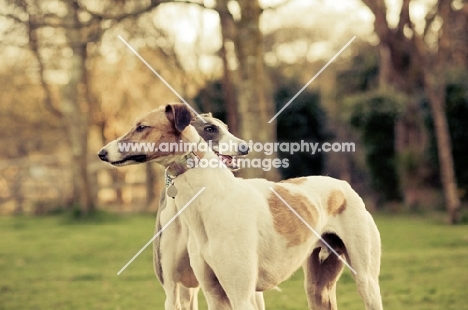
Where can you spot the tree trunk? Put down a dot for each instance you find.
(253, 110)
(75, 111)
(385, 65)
(432, 65)
(230, 75)
(435, 85)
(435, 89)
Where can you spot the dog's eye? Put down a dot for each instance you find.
(140, 128)
(210, 129)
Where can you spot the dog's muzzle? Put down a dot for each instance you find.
(137, 158)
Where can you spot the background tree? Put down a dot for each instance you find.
(403, 51)
(79, 27)
(249, 108)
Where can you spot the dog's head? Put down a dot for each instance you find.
(222, 141)
(164, 126)
(157, 135)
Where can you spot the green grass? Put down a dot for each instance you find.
(57, 263)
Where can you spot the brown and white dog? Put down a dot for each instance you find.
(242, 238)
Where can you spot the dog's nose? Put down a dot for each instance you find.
(103, 154)
(244, 148)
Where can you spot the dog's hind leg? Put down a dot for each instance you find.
(320, 280)
(365, 260)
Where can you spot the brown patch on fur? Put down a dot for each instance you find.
(336, 203)
(179, 115)
(296, 181)
(159, 129)
(286, 222)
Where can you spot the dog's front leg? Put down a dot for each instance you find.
(215, 296)
(179, 297)
(171, 260)
(259, 301)
(234, 262)
(172, 301)
(239, 288)
(188, 298)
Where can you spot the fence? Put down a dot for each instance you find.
(41, 184)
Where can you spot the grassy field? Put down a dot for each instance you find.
(58, 263)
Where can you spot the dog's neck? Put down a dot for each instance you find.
(184, 175)
(182, 165)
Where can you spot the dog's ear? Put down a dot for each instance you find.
(179, 115)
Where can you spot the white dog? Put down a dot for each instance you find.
(242, 236)
(171, 259)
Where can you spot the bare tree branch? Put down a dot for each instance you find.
(202, 5)
(45, 20)
(33, 43)
(13, 17)
(404, 16)
(277, 6)
(120, 17)
(379, 8)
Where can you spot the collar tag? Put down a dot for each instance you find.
(171, 191)
(177, 168)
